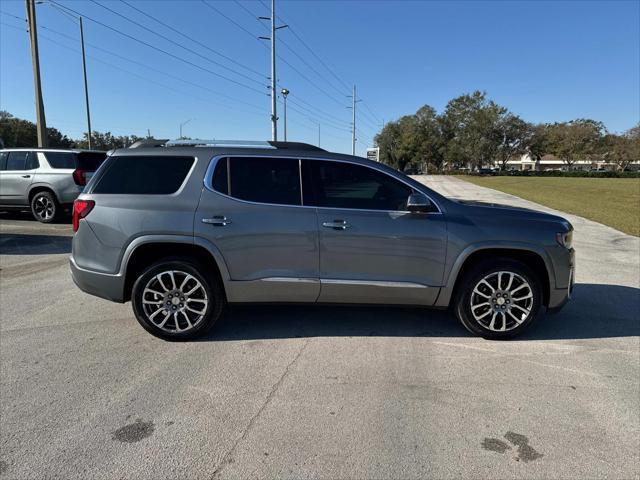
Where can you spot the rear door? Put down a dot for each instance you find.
(371, 249)
(251, 210)
(15, 179)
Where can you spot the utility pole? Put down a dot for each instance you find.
(318, 135)
(285, 92)
(274, 116)
(41, 125)
(353, 131)
(86, 88)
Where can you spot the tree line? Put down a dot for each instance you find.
(16, 132)
(474, 131)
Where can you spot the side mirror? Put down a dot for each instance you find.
(419, 203)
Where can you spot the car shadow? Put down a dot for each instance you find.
(596, 311)
(24, 244)
(26, 215)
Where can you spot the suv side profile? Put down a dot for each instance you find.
(45, 180)
(182, 230)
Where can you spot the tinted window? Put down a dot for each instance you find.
(345, 185)
(17, 160)
(159, 175)
(220, 179)
(3, 160)
(61, 159)
(265, 180)
(32, 161)
(90, 160)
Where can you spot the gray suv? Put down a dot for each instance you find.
(45, 180)
(182, 230)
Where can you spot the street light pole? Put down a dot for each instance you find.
(182, 125)
(86, 88)
(41, 125)
(285, 92)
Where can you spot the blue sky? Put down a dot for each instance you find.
(544, 60)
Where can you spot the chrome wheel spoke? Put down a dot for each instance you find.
(493, 304)
(176, 304)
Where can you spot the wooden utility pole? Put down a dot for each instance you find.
(41, 125)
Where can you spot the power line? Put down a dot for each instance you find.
(131, 37)
(137, 63)
(246, 77)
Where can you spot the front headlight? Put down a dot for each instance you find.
(565, 239)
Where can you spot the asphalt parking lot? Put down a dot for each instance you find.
(317, 392)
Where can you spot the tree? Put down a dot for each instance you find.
(106, 141)
(470, 133)
(16, 132)
(538, 141)
(515, 134)
(622, 150)
(575, 140)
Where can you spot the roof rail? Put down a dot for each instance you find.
(148, 142)
(243, 144)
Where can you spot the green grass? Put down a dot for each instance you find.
(612, 201)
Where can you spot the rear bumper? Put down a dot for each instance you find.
(104, 285)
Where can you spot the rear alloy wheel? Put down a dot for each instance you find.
(498, 299)
(44, 207)
(175, 301)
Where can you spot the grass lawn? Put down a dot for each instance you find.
(612, 201)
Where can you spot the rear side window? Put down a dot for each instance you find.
(159, 175)
(17, 160)
(263, 180)
(61, 159)
(346, 185)
(32, 161)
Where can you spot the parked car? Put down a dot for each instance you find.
(286, 222)
(487, 171)
(45, 180)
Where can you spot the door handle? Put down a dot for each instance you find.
(25, 176)
(336, 225)
(217, 221)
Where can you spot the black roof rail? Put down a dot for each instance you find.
(296, 146)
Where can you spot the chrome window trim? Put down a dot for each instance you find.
(213, 162)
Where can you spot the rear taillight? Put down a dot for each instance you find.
(81, 208)
(80, 176)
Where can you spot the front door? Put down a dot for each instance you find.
(371, 249)
(252, 212)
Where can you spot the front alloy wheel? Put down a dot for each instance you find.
(498, 299)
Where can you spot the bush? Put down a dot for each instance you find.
(573, 173)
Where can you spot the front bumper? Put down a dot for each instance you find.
(558, 297)
(103, 285)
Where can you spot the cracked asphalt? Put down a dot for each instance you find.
(317, 392)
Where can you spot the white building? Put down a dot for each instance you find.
(551, 162)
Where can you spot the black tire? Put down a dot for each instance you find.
(491, 268)
(210, 284)
(45, 207)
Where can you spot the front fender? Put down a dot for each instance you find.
(451, 275)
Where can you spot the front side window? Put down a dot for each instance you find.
(347, 185)
(17, 160)
(144, 175)
(259, 179)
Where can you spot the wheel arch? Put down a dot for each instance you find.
(144, 252)
(41, 187)
(532, 256)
